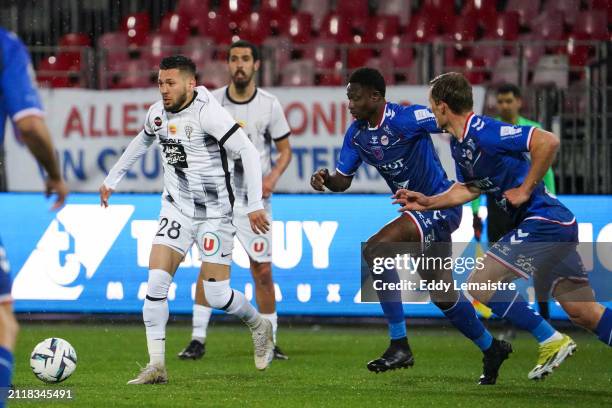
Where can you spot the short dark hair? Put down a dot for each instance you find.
(507, 88)
(245, 44)
(369, 77)
(453, 89)
(180, 62)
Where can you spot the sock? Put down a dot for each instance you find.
(273, 318)
(155, 314)
(463, 316)
(6, 372)
(391, 304)
(201, 317)
(604, 327)
(221, 296)
(510, 305)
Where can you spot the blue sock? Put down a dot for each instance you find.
(510, 305)
(604, 327)
(391, 303)
(463, 316)
(6, 371)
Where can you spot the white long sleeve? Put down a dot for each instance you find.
(135, 150)
(239, 143)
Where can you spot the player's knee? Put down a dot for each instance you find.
(262, 274)
(218, 294)
(582, 314)
(158, 284)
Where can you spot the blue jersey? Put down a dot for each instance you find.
(18, 95)
(492, 156)
(400, 148)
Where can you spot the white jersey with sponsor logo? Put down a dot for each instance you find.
(196, 169)
(263, 120)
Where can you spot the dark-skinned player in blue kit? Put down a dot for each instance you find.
(396, 140)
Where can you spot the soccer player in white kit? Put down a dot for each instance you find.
(261, 116)
(195, 136)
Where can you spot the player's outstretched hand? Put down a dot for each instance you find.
(517, 196)
(60, 188)
(105, 194)
(259, 221)
(318, 179)
(410, 200)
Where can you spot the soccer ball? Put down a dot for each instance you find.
(53, 360)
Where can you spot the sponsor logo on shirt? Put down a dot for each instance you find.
(423, 114)
(506, 131)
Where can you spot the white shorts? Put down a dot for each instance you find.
(213, 236)
(257, 246)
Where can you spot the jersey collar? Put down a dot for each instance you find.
(384, 115)
(466, 126)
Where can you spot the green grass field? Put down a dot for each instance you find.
(326, 368)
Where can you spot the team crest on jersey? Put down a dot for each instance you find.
(377, 151)
(384, 140)
(172, 129)
(188, 131)
(157, 121)
(210, 244)
(241, 123)
(259, 245)
(374, 139)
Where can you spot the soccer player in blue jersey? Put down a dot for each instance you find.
(490, 158)
(20, 102)
(396, 140)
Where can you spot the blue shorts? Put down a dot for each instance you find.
(5, 278)
(438, 225)
(542, 249)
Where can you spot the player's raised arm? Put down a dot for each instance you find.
(456, 195)
(135, 150)
(542, 146)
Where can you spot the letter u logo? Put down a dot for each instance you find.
(258, 246)
(209, 244)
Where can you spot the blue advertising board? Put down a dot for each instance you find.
(92, 260)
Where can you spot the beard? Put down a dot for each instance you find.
(243, 82)
(179, 102)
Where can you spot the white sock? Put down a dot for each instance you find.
(556, 336)
(201, 317)
(155, 314)
(221, 296)
(273, 318)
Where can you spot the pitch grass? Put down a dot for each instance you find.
(326, 368)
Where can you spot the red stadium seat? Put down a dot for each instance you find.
(137, 27)
(352, 8)
(331, 78)
(156, 48)
(214, 74)
(176, 26)
(75, 40)
(569, 8)
(490, 54)
(594, 24)
(337, 27)
(299, 28)
(578, 53)
(298, 73)
(114, 45)
(132, 74)
(188, 8)
(324, 53)
(235, 10)
(399, 52)
(443, 11)
(382, 29)
(548, 26)
(481, 10)
(358, 54)
(199, 49)
(215, 25)
(397, 8)
(318, 9)
(473, 69)
(527, 9)
(422, 28)
(54, 71)
(255, 28)
(278, 12)
(505, 26)
(532, 50)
